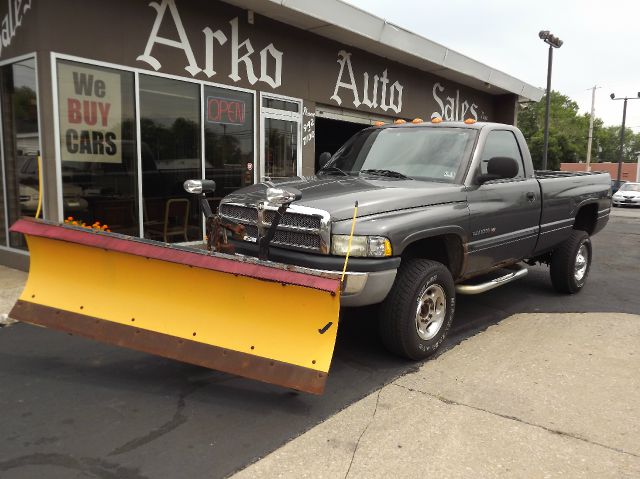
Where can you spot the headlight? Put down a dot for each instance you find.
(376, 246)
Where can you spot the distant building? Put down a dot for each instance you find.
(629, 170)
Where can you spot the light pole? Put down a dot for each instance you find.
(593, 111)
(624, 120)
(553, 42)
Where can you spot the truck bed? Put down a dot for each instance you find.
(543, 174)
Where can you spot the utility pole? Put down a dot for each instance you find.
(624, 120)
(593, 112)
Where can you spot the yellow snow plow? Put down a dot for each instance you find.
(245, 316)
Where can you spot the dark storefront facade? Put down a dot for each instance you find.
(125, 99)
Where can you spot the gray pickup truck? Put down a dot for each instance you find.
(443, 209)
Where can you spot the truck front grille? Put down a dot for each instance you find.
(300, 227)
(240, 213)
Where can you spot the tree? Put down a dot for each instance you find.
(569, 132)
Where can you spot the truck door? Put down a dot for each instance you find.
(504, 214)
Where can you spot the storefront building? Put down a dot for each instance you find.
(123, 100)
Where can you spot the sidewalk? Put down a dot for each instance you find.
(11, 284)
(538, 395)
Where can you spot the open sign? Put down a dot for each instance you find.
(225, 110)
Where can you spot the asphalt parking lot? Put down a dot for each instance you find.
(75, 408)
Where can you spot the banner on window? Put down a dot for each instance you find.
(90, 114)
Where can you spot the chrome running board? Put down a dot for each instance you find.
(519, 272)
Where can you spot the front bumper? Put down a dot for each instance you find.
(367, 280)
(622, 202)
(363, 289)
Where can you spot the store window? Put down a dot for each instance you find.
(281, 122)
(229, 139)
(98, 146)
(171, 153)
(20, 141)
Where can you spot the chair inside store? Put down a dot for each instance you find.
(174, 226)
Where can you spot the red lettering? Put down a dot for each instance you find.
(74, 114)
(90, 110)
(240, 111)
(213, 109)
(220, 110)
(104, 112)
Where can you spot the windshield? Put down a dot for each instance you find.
(436, 154)
(630, 187)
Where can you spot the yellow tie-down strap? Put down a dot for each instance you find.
(259, 328)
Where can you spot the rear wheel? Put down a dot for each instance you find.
(416, 315)
(571, 262)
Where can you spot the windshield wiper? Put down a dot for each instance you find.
(335, 169)
(391, 173)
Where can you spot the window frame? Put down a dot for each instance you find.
(286, 115)
(55, 56)
(19, 58)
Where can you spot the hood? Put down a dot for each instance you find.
(338, 194)
(629, 193)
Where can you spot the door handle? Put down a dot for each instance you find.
(531, 196)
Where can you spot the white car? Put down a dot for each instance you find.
(628, 194)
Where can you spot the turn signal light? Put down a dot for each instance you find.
(470, 121)
(399, 121)
(437, 119)
(416, 120)
(378, 123)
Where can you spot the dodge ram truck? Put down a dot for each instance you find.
(442, 209)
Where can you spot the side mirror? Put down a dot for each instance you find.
(324, 159)
(499, 168)
(283, 196)
(198, 187)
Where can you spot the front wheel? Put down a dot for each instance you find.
(416, 315)
(571, 262)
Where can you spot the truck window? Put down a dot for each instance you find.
(501, 143)
(435, 154)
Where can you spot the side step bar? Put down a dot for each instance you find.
(519, 272)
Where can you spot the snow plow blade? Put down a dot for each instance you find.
(256, 319)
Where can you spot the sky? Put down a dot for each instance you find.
(601, 43)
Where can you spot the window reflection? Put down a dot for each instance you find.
(228, 139)
(21, 146)
(98, 146)
(281, 148)
(170, 145)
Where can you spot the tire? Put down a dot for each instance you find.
(427, 282)
(568, 271)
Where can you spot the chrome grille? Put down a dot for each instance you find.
(294, 219)
(294, 238)
(240, 213)
(303, 228)
(251, 231)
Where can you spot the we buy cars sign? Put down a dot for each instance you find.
(90, 105)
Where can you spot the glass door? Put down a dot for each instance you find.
(280, 121)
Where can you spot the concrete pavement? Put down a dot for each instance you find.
(11, 284)
(76, 408)
(537, 395)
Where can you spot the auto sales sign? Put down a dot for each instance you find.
(90, 114)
